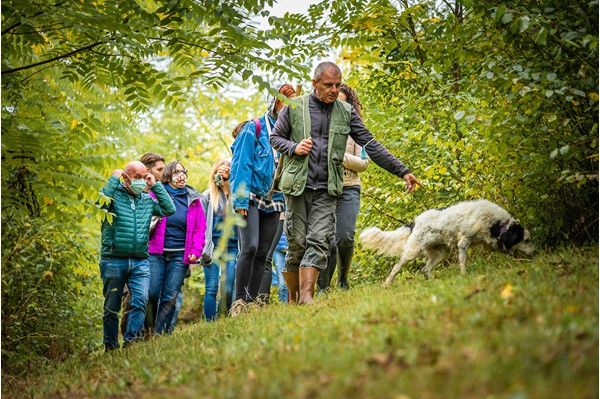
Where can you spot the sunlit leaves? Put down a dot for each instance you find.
(490, 93)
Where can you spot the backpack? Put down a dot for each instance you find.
(258, 128)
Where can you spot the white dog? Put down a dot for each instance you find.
(436, 231)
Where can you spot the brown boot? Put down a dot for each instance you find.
(308, 277)
(292, 283)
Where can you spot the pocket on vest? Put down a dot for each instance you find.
(289, 176)
(340, 139)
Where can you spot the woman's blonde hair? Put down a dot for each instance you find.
(212, 185)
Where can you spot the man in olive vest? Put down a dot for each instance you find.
(311, 136)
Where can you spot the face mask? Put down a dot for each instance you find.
(218, 180)
(137, 186)
(178, 177)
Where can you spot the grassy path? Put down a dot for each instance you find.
(505, 329)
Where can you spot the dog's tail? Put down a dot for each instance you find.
(386, 242)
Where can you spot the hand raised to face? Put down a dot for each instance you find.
(223, 170)
(150, 179)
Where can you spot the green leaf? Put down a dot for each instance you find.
(459, 115)
(506, 18)
(541, 36)
(500, 11)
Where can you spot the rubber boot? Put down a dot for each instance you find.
(292, 281)
(344, 260)
(308, 277)
(325, 276)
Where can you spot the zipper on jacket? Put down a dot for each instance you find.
(132, 201)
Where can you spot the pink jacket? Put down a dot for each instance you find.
(194, 236)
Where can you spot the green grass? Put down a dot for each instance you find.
(456, 336)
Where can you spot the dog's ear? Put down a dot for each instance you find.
(513, 236)
(496, 228)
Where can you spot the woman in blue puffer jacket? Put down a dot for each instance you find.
(252, 170)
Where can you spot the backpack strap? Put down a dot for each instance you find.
(258, 128)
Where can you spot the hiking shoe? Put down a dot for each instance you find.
(262, 300)
(238, 307)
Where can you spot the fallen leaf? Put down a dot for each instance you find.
(507, 291)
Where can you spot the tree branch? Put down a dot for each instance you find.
(34, 15)
(67, 55)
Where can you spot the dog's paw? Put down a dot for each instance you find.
(427, 275)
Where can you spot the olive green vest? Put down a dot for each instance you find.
(295, 169)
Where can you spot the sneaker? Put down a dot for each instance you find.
(237, 308)
(262, 300)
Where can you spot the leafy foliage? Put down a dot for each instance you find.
(481, 99)
(87, 86)
(43, 316)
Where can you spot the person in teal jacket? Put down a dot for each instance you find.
(124, 252)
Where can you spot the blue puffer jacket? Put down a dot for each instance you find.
(127, 235)
(253, 164)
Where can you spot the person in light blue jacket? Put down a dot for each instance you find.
(253, 167)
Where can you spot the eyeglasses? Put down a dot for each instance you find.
(178, 172)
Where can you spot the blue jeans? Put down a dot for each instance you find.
(177, 309)
(279, 261)
(167, 272)
(211, 276)
(115, 273)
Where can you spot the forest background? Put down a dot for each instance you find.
(487, 99)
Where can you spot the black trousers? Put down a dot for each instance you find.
(255, 241)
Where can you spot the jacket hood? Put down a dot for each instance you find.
(193, 193)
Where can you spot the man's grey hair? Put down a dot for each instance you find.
(323, 66)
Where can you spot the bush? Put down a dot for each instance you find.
(50, 302)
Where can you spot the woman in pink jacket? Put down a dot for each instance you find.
(175, 244)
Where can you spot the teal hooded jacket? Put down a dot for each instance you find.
(127, 234)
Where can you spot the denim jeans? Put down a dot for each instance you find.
(177, 309)
(279, 261)
(115, 273)
(211, 279)
(212, 274)
(167, 272)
